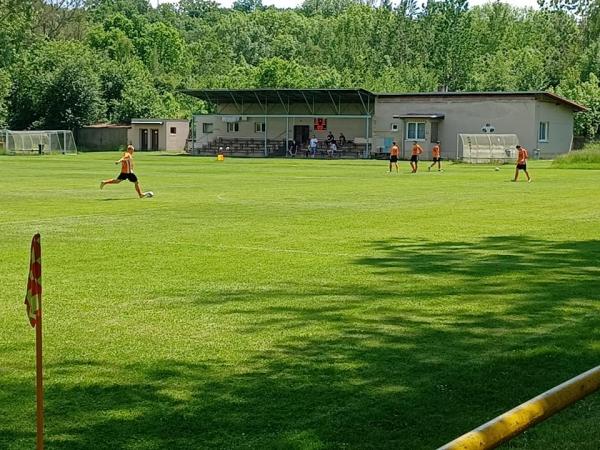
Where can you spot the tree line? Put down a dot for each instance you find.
(68, 63)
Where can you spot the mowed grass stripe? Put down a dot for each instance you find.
(296, 303)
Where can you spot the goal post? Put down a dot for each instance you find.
(37, 142)
(487, 148)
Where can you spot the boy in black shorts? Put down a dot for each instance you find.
(126, 162)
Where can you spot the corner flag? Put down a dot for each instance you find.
(33, 300)
(33, 296)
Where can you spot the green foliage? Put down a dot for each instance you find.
(587, 158)
(72, 98)
(247, 5)
(443, 44)
(586, 93)
(5, 86)
(55, 84)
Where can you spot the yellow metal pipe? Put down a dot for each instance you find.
(508, 425)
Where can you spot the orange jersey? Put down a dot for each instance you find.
(523, 155)
(395, 151)
(127, 163)
(435, 151)
(417, 150)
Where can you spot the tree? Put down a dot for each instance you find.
(247, 6)
(55, 84)
(586, 93)
(72, 99)
(5, 86)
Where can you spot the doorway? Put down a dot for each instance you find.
(301, 133)
(143, 139)
(154, 139)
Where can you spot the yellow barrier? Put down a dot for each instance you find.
(508, 425)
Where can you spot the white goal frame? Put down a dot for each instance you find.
(37, 142)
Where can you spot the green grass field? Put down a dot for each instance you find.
(296, 303)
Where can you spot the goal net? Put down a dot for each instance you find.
(487, 148)
(37, 142)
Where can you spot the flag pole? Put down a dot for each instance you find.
(33, 301)
(39, 380)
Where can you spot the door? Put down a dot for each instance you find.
(154, 139)
(143, 139)
(301, 133)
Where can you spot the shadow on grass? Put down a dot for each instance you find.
(474, 329)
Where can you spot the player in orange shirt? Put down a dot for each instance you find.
(126, 162)
(435, 154)
(394, 153)
(522, 163)
(414, 159)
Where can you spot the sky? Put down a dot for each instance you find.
(294, 3)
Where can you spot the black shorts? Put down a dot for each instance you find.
(127, 176)
(393, 158)
(437, 159)
(414, 158)
(521, 166)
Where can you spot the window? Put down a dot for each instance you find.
(259, 127)
(543, 133)
(173, 130)
(434, 132)
(415, 131)
(394, 127)
(207, 127)
(233, 127)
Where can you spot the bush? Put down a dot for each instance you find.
(587, 158)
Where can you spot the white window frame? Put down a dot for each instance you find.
(546, 128)
(415, 137)
(171, 132)
(395, 127)
(233, 127)
(207, 127)
(259, 127)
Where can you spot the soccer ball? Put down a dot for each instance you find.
(149, 194)
(497, 169)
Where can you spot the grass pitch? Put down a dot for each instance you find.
(296, 303)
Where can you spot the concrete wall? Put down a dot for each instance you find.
(461, 115)
(101, 139)
(276, 128)
(166, 140)
(560, 128)
(175, 142)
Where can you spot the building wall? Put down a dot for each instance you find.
(560, 129)
(520, 115)
(175, 142)
(134, 136)
(276, 128)
(101, 139)
(461, 115)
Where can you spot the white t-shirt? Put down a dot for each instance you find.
(314, 142)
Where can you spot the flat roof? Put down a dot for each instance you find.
(537, 94)
(153, 120)
(268, 95)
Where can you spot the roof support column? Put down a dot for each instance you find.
(266, 129)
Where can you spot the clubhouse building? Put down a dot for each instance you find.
(265, 122)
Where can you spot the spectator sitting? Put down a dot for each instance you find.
(342, 140)
(291, 149)
(329, 139)
(332, 149)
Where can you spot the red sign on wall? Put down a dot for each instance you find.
(320, 124)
